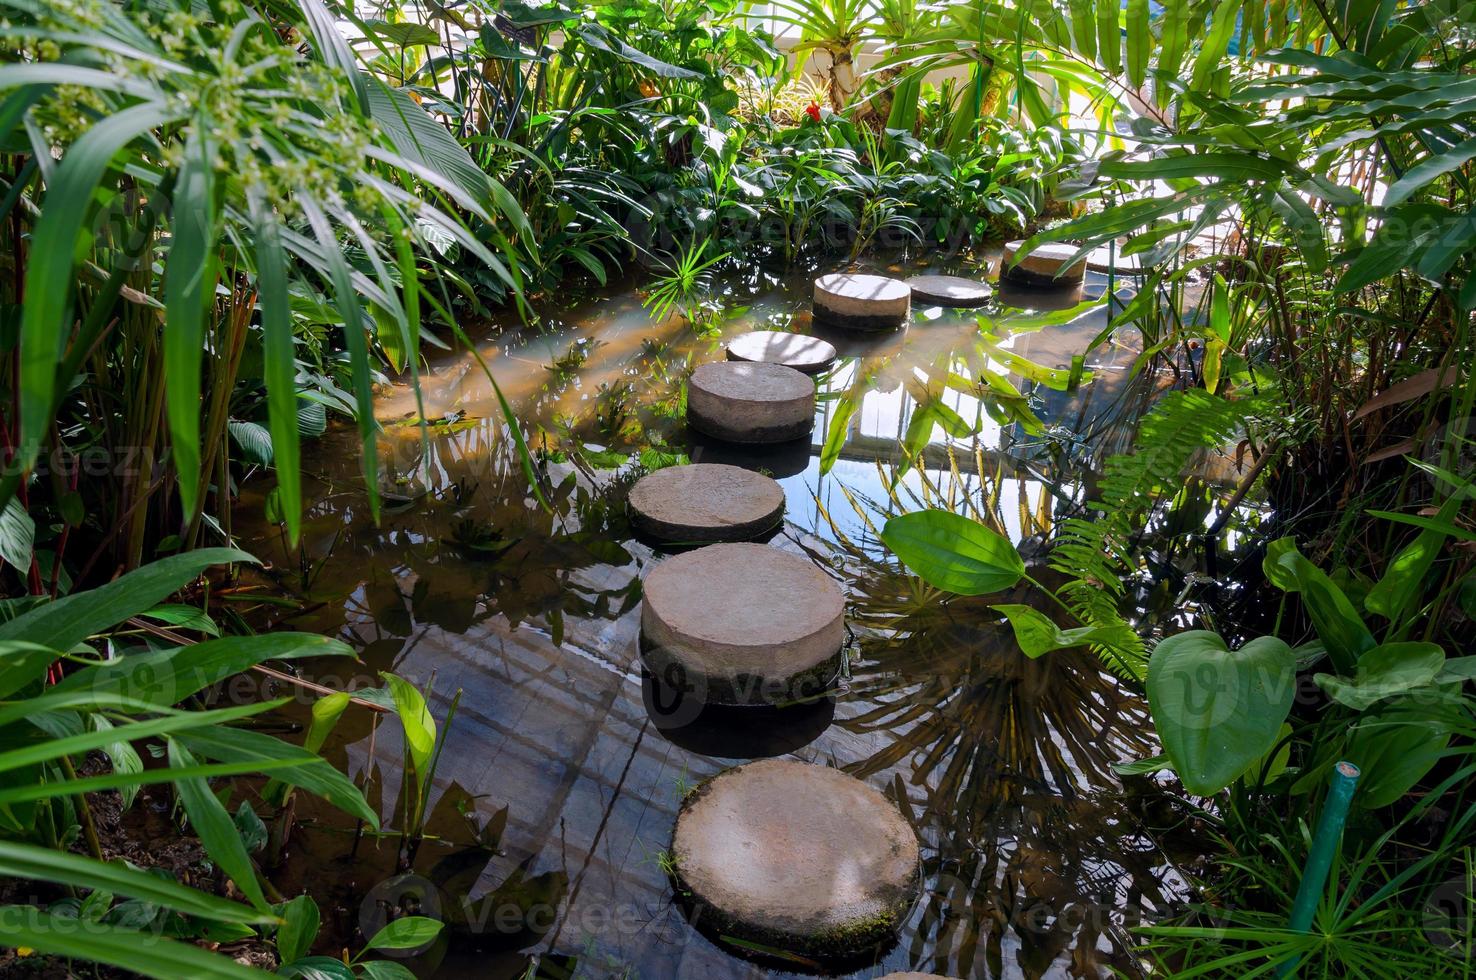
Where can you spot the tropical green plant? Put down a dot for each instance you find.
(64, 699)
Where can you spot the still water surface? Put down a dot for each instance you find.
(555, 795)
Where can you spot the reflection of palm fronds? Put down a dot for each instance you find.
(1009, 767)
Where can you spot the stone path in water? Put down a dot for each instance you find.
(800, 858)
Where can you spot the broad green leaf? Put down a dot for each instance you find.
(1395, 595)
(182, 617)
(1384, 671)
(29, 861)
(384, 970)
(1339, 626)
(123, 756)
(17, 536)
(1139, 42)
(23, 664)
(1395, 749)
(1143, 767)
(1212, 50)
(1222, 164)
(415, 717)
(1217, 711)
(953, 553)
(299, 928)
(70, 620)
(213, 825)
(1428, 170)
(141, 952)
(190, 273)
(317, 968)
(410, 932)
(1038, 635)
(1109, 35)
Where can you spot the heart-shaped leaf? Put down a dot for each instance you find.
(953, 553)
(1218, 711)
(1384, 671)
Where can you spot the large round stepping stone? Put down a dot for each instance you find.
(742, 624)
(953, 291)
(794, 856)
(704, 502)
(808, 354)
(862, 302)
(1044, 266)
(750, 402)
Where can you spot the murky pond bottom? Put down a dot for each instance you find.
(560, 780)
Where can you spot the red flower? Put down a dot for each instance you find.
(813, 110)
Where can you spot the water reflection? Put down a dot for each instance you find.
(564, 768)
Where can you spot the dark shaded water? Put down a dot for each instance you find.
(556, 793)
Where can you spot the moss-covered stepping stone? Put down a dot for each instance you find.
(797, 857)
(750, 402)
(951, 291)
(808, 354)
(862, 302)
(705, 502)
(1046, 265)
(742, 624)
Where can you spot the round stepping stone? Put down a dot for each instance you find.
(799, 857)
(808, 354)
(1042, 265)
(1104, 261)
(954, 291)
(742, 624)
(861, 302)
(743, 401)
(705, 502)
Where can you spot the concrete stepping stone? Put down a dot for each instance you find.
(750, 402)
(798, 857)
(742, 624)
(808, 354)
(952, 291)
(704, 502)
(1103, 260)
(862, 302)
(1044, 266)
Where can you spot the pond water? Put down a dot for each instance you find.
(555, 796)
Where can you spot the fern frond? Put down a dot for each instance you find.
(1182, 424)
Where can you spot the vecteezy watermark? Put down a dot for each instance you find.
(398, 897)
(1447, 920)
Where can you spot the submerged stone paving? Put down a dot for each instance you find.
(952, 291)
(742, 624)
(795, 856)
(808, 354)
(862, 302)
(750, 402)
(1044, 266)
(704, 502)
